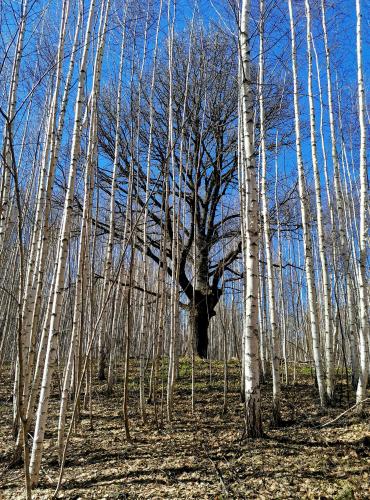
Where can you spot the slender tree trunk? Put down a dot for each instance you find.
(79, 309)
(328, 320)
(51, 352)
(275, 354)
(7, 154)
(307, 239)
(364, 320)
(253, 418)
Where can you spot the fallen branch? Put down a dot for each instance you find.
(218, 472)
(345, 412)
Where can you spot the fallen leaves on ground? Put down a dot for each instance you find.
(200, 455)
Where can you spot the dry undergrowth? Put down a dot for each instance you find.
(200, 455)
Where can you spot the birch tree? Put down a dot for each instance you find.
(364, 203)
(328, 320)
(7, 159)
(50, 358)
(253, 418)
(307, 237)
(85, 230)
(275, 361)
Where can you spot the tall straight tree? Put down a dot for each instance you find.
(7, 159)
(307, 237)
(64, 236)
(275, 361)
(33, 300)
(364, 320)
(320, 224)
(78, 312)
(249, 220)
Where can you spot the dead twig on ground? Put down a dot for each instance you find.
(344, 413)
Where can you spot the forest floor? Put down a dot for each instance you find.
(201, 454)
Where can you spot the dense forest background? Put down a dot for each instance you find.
(183, 202)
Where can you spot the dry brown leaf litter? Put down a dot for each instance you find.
(200, 455)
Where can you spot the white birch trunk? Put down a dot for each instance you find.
(275, 351)
(85, 226)
(51, 352)
(328, 320)
(250, 232)
(307, 240)
(7, 153)
(35, 293)
(364, 320)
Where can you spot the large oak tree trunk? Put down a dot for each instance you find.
(202, 310)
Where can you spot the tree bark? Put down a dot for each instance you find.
(249, 212)
(201, 314)
(307, 237)
(364, 201)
